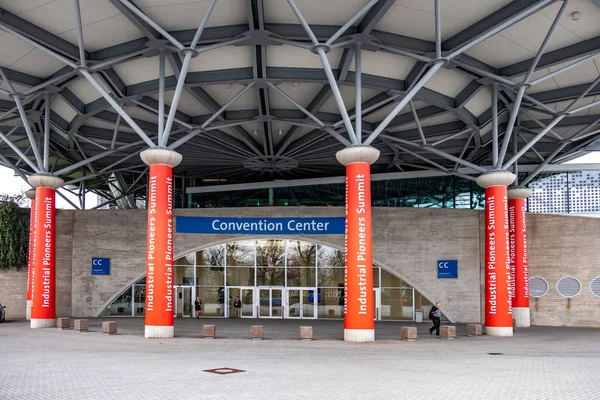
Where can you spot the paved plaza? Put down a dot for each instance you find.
(538, 363)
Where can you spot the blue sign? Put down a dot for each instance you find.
(447, 268)
(100, 266)
(261, 226)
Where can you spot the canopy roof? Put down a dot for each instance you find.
(285, 122)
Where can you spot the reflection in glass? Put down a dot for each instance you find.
(188, 259)
(240, 276)
(121, 305)
(276, 303)
(330, 257)
(213, 256)
(396, 304)
(301, 277)
(247, 299)
(375, 276)
(210, 276)
(139, 299)
(264, 309)
(210, 301)
(308, 303)
(270, 253)
(184, 276)
(294, 303)
(240, 254)
(270, 276)
(331, 303)
(389, 280)
(331, 277)
(301, 254)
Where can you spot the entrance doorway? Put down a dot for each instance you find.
(301, 302)
(183, 301)
(377, 303)
(270, 303)
(246, 295)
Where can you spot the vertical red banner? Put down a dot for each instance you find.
(159, 257)
(498, 307)
(44, 269)
(30, 249)
(518, 253)
(358, 277)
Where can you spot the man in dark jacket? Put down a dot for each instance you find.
(237, 304)
(435, 315)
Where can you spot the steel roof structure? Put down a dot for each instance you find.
(264, 90)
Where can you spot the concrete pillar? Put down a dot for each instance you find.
(160, 296)
(31, 196)
(359, 323)
(498, 307)
(518, 255)
(43, 282)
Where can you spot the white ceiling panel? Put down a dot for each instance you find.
(587, 26)
(137, 112)
(294, 57)
(548, 84)
(448, 82)
(222, 58)
(596, 109)
(279, 11)
(85, 91)
(419, 24)
(141, 70)
(180, 15)
(348, 96)
(63, 109)
(222, 94)
(499, 52)
(18, 7)
(97, 123)
(12, 49)
(105, 33)
(466, 10)
(381, 114)
(480, 102)
(187, 103)
(583, 73)
(303, 94)
(37, 63)
(384, 64)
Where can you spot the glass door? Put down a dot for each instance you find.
(300, 303)
(270, 303)
(247, 299)
(183, 301)
(377, 303)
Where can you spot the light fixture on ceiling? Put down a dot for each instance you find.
(280, 132)
(229, 86)
(575, 15)
(295, 84)
(255, 132)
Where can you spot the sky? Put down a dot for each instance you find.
(11, 184)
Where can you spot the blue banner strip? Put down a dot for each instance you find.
(261, 226)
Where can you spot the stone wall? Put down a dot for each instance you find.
(406, 241)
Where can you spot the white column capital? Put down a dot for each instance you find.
(161, 155)
(357, 154)
(495, 178)
(45, 180)
(518, 193)
(30, 194)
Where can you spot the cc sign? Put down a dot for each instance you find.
(100, 266)
(447, 269)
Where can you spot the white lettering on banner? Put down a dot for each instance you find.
(525, 262)
(491, 269)
(151, 243)
(266, 226)
(507, 264)
(513, 241)
(33, 253)
(47, 257)
(169, 249)
(361, 255)
(346, 252)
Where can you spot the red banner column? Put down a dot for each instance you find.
(498, 307)
(160, 295)
(31, 196)
(43, 274)
(518, 255)
(359, 325)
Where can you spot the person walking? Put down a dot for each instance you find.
(435, 316)
(198, 307)
(237, 304)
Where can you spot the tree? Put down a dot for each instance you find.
(14, 232)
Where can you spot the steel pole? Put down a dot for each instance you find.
(494, 123)
(358, 93)
(176, 97)
(351, 22)
(540, 167)
(153, 24)
(438, 29)
(79, 32)
(511, 125)
(117, 108)
(305, 25)
(30, 135)
(18, 151)
(563, 69)
(161, 95)
(46, 132)
(417, 122)
(116, 132)
(412, 92)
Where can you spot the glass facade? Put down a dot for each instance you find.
(274, 278)
(568, 192)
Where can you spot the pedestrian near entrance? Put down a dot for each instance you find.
(198, 307)
(435, 316)
(237, 304)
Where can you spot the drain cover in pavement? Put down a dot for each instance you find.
(224, 371)
(496, 354)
